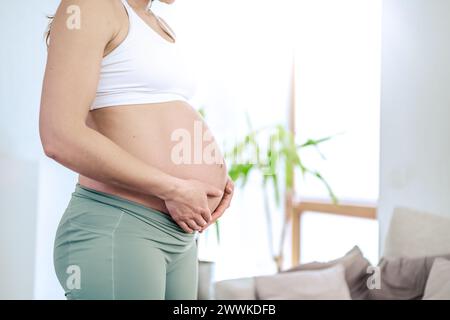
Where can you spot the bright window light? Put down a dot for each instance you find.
(338, 64)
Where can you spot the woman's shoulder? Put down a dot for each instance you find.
(90, 8)
(88, 16)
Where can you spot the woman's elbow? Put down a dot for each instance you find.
(56, 139)
(49, 151)
(52, 143)
(49, 146)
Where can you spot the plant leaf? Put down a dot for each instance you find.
(217, 224)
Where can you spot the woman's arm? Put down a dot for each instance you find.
(70, 82)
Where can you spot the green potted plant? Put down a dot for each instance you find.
(276, 165)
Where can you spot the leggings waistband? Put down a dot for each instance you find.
(123, 203)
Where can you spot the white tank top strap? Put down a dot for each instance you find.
(125, 3)
(130, 11)
(132, 15)
(166, 27)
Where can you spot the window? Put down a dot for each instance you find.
(338, 53)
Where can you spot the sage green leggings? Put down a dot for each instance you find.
(108, 247)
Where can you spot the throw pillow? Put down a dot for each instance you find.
(403, 278)
(438, 283)
(356, 273)
(325, 284)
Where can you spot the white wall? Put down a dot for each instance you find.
(56, 183)
(415, 108)
(18, 199)
(22, 56)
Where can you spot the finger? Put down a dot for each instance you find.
(198, 218)
(193, 225)
(220, 210)
(230, 186)
(208, 225)
(213, 191)
(211, 223)
(185, 227)
(224, 204)
(205, 227)
(206, 214)
(217, 214)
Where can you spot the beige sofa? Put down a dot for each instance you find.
(412, 235)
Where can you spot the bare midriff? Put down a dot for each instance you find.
(149, 132)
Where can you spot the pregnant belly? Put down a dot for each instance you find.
(170, 136)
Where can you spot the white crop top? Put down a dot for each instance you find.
(144, 68)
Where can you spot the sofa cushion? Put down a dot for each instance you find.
(324, 284)
(402, 278)
(235, 289)
(438, 283)
(356, 273)
(416, 234)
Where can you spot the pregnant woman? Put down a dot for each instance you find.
(114, 109)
